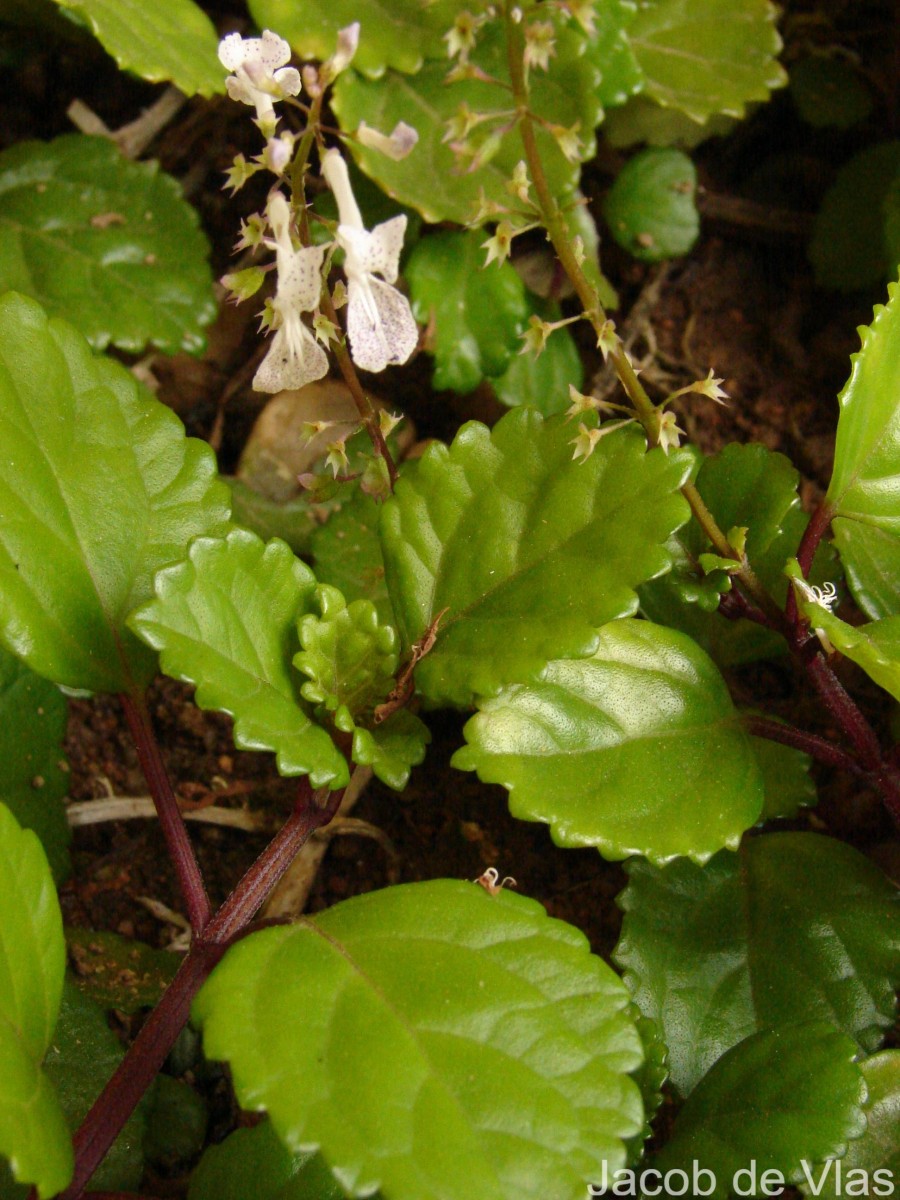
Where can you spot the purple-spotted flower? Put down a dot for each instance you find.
(294, 358)
(380, 325)
(259, 74)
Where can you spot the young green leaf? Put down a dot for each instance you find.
(99, 480)
(110, 244)
(864, 492)
(542, 383)
(83, 1055)
(703, 58)
(779, 1099)
(432, 1006)
(351, 660)
(33, 1132)
(650, 208)
(430, 179)
(347, 554)
(400, 34)
(635, 750)
(33, 778)
(874, 647)
(171, 40)
(851, 246)
(451, 288)
(523, 551)
(745, 486)
(225, 620)
(871, 1165)
(392, 748)
(794, 927)
(254, 1162)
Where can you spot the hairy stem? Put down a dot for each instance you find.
(810, 743)
(151, 1047)
(553, 220)
(171, 821)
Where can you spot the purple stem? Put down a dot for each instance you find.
(806, 552)
(171, 821)
(799, 739)
(148, 1052)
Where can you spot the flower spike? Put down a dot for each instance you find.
(380, 325)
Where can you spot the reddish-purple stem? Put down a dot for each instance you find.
(171, 821)
(151, 1047)
(815, 530)
(809, 743)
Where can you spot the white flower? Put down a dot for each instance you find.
(380, 324)
(397, 146)
(259, 75)
(295, 358)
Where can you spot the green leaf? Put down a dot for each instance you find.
(171, 40)
(294, 521)
(349, 658)
(98, 479)
(829, 92)
(650, 208)
(850, 246)
(871, 1165)
(745, 486)
(613, 53)
(82, 1057)
(33, 769)
(453, 1036)
(392, 748)
(110, 244)
(451, 288)
(430, 179)
(254, 1162)
(347, 554)
(224, 619)
(527, 551)
(781, 1098)
(643, 120)
(118, 972)
(705, 58)
(864, 492)
(636, 750)
(393, 33)
(543, 383)
(874, 647)
(177, 1120)
(794, 927)
(33, 1132)
(787, 785)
